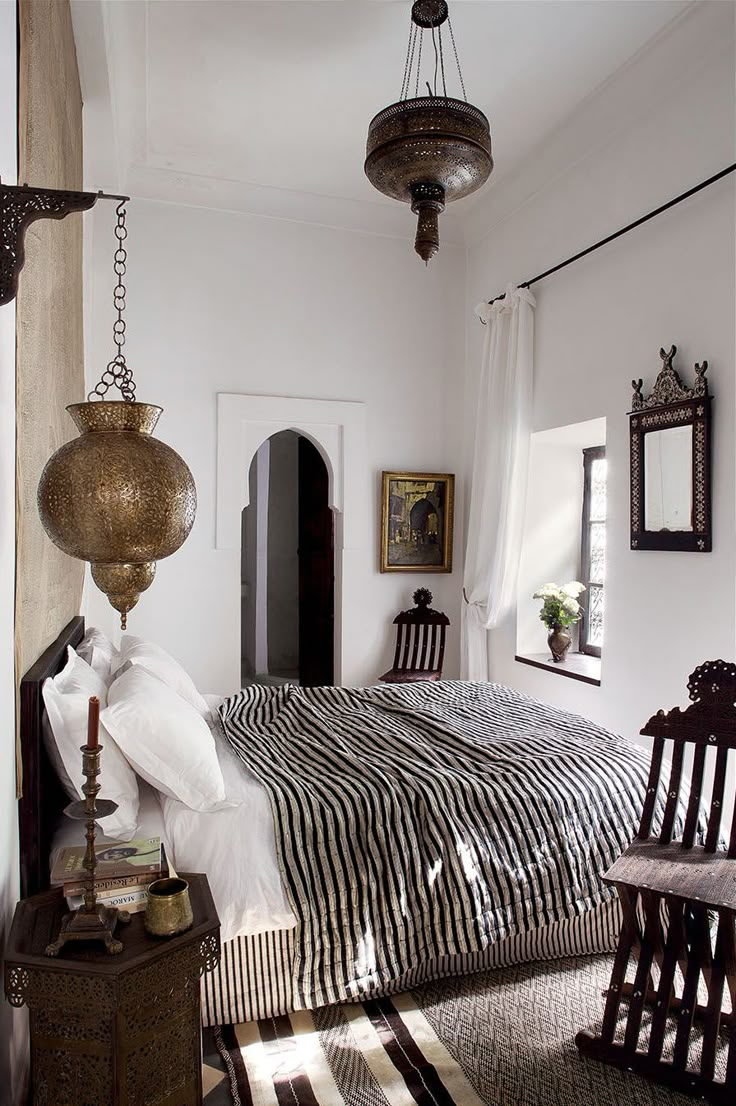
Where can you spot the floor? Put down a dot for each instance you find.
(271, 679)
(498, 1038)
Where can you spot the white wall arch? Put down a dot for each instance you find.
(337, 430)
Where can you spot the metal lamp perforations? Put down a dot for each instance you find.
(428, 150)
(116, 496)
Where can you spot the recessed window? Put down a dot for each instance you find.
(565, 516)
(593, 554)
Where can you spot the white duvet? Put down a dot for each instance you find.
(236, 847)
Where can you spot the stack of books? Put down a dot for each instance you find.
(123, 874)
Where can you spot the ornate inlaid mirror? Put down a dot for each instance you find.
(670, 462)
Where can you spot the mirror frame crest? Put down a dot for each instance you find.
(671, 403)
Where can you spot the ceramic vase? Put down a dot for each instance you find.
(558, 641)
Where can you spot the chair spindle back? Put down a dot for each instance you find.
(708, 723)
(420, 646)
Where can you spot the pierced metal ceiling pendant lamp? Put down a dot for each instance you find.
(428, 150)
(116, 496)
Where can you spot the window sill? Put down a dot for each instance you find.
(576, 666)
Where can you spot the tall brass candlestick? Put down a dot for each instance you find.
(92, 921)
(90, 790)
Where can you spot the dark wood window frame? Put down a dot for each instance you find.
(594, 453)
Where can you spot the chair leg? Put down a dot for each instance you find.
(588, 1044)
(673, 953)
(628, 941)
(713, 1013)
(651, 941)
(698, 959)
(692, 949)
(727, 925)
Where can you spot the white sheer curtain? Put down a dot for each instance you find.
(500, 466)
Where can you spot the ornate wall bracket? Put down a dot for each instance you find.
(20, 206)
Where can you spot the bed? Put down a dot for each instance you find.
(453, 827)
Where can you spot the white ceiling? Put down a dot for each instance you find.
(263, 105)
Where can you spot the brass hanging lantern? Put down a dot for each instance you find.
(428, 150)
(116, 496)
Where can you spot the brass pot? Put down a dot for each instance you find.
(117, 497)
(169, 909)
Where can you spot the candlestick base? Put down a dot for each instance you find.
(93, 925)
(78, 809)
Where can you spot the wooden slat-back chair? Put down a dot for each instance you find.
(671, 884)
(420, 642)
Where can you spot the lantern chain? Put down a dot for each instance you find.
(117, 373)
(457, 59)
(429, 15)
(433, 92)
(442, 61)
(419, 62)
(413, 29)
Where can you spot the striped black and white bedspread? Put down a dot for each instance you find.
(430, 820)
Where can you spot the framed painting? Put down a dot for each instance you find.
(416, 521)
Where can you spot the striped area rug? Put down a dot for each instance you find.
(378, 1053)
(497, 1038)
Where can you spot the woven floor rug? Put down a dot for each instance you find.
(498, 1038)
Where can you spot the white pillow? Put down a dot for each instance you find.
(66, 698)
(158, 662)
(98, 651)
(165, 739)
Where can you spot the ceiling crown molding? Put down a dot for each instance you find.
(383, 220)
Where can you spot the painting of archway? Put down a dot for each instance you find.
(417, 517)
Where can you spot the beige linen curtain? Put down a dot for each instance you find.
(50, 353)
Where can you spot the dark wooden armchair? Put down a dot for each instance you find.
(420, 642)
(671, 889)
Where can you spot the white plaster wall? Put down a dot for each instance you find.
(13, 1054)
(602, 322)
(220, 302)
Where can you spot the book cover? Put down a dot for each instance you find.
(126, 859)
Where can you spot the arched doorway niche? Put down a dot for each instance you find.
(337, 430)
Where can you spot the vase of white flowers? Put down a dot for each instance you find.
(560, 609)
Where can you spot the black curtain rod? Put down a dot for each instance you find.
(624, 230)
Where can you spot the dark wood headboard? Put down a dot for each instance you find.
(43, 796)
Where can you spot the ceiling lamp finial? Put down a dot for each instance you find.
(428, 150)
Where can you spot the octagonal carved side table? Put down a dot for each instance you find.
(113, 1030)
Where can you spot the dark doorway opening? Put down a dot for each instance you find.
(287, 566)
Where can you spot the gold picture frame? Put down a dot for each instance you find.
(417, 521)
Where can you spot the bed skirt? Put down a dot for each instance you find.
(254, 978)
